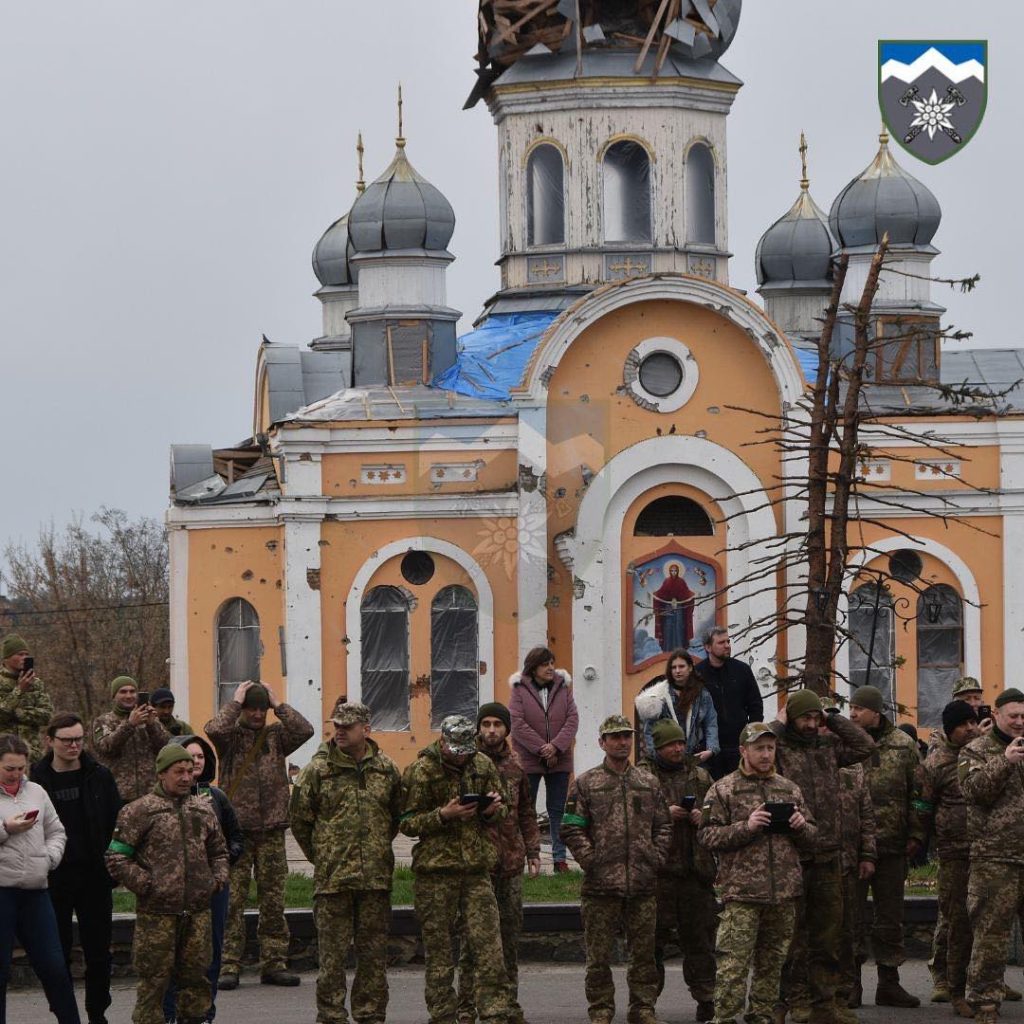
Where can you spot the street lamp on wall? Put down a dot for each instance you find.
(933, 608)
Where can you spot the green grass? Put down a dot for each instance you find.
(298, 891)
(922, 881)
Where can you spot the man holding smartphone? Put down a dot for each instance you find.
(992, 783)
(25, 706)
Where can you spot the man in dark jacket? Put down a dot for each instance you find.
(737, 698)
(85, 797)
(204, 768)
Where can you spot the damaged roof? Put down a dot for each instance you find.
(298, 377)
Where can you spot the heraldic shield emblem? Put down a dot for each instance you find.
(932, 93)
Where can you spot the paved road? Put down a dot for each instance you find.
(550, 995)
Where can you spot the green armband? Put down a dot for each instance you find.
(575, 819)
(116, 846)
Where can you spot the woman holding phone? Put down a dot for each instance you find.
(31, 846)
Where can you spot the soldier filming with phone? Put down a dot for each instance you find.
(25, 706)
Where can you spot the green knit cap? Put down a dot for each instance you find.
(13, 645)
(171, 754)
(868, 697)
(800, 703)
(116, 684)
(666, 731)
(1010, 696)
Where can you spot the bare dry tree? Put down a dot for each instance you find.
(92, 605)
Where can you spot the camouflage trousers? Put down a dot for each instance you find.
(603, 917)
(851, 954)
(508, 893)
(264, 857)
(166, 948)
(995, 896)
(953, 875)
(448, 905)
(940, 940)
(811, 974)
(885, 922)
(342, 918)
(687, 910)
(751, 935)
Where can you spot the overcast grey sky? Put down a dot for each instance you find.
(167, 169)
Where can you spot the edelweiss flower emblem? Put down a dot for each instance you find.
(931, 115)
(502, 541)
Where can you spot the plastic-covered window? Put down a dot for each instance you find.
(627, 193)
(940, 647)
(700, 195)
(384, 627)
(873, 640)
(454, 655)
(238, 647)
(545, 197)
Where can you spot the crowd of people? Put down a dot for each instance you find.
(750, 846)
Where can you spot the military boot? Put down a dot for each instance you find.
(287, 979)
(856, 996)
(228, 981)
(842, 1014)
(705, 1009)
(800, 1013)
(890, 992)
(940, 992)
(961, 1007)
(987, 1013)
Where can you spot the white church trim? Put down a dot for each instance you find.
(597, 613)
(485, 608)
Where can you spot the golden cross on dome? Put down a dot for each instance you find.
(360, 184)
(400, 141)
(805, 183)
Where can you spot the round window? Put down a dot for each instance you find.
(906, 565)
(660, 374)
(417, 568)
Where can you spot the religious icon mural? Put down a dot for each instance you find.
(673, 603)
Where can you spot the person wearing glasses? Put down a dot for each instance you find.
(85, 796)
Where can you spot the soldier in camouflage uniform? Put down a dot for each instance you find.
(942, 809)
(254, 775)
(127, 738)
(894, 779)
(25, 706)
(344, 814)
(517, 839)
(812, 747)
(992, 782)
(687, 909)
(619, 829)
(169, 850)
(451, 863)
(163, 701)
(759, 877)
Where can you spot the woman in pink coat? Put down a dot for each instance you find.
(544, 723)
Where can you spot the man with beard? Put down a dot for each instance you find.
(811, 757)
(517, 839)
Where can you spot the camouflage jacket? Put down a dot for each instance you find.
(894, 778)
(685, 856)
(260, 798)
(344, 816)
(858, 818)
(993, 790)
(813, 764)
(178, 727)
(451, 847)
(619, 830)
(755, 867)
(24, 714)
(169, 851)
(941, 806)
(128, 751)
(517, 837)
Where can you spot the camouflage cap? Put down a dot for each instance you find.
(966, 685)
(613, 724)
(753, 732)
(459, 734)
(345, 713)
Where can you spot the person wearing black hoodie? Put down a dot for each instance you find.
(205, 761)
(85, 796)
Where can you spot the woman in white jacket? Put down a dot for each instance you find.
(31, 846)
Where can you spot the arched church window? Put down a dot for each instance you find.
(545, 196)
(454, 655)
(940, 650)
(873, 638)
(627, 193)
(238, 647)
(700, 195)
(384, 633)
(673, 516)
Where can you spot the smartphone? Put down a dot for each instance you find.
(143, 698)
(984, 711)
(31, 815)
(781, 813)
(688, 803)
(482, 800)
(28, 664)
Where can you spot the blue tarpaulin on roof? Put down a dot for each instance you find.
(808, 359)
(492, 359)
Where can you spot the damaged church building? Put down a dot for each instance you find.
(414, 508)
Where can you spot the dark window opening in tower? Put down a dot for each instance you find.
(700, 195)
(627, 193)
(545, 197)
(673, 516)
